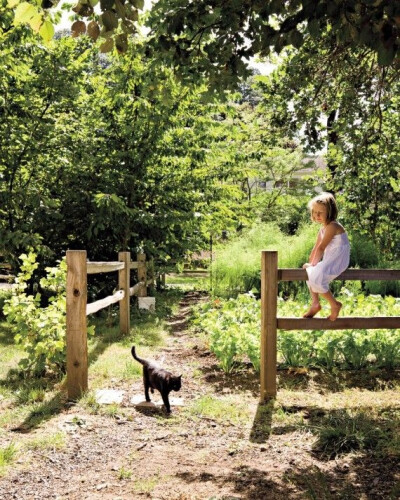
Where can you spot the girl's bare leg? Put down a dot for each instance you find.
(315, 306)
(335, 305)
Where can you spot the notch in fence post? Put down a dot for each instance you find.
(76, 328)
(124, 283)
(142, 274)
(269, 293)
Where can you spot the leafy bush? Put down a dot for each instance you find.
(231, 327)
(40, 330)
(233, 332)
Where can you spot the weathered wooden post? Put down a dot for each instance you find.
(76, 338)
(142, 274)
(269, 293)
(124, 284)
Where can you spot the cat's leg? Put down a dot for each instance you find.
(166, 402)
(146, 389)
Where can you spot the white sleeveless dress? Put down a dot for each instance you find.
(335, 260)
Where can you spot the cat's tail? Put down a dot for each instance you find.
(133, 351)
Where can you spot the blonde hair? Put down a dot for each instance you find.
(329, 201)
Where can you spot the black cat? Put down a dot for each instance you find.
(155, 377)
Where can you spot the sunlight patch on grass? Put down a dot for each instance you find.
(114, 362)
(349, 398)
(147, 485)
(54, 441)
(223, 409)
(7, 456)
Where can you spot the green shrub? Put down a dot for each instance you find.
(40, 330)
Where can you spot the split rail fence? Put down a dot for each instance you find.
(270, 323)
(78, 309)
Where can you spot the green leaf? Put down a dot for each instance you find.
(12, 3)
(139, 4)
(107, 46)
(36, 22)
(47, 30)
(296, 39)
(120, 9)
(109, 20)
(25, 12)
(395, 183)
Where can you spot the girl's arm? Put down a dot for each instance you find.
(319, 249)
(313, 251)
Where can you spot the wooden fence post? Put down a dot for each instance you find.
(269, 293)
(142, 274)
(76, 335)
(124, 284)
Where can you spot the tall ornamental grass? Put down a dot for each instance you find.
(237, 266)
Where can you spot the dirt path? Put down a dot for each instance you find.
(228, 453)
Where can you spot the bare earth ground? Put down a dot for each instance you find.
(146, 454)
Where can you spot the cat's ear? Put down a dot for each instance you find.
(180, 376)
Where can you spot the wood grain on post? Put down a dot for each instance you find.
(76, 335)
(124, 284)
(142, 275)
(269, 293)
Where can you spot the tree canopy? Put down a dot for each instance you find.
(216, 37)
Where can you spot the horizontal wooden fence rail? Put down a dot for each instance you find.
(77, 307)
(270, 323)
(349, 274)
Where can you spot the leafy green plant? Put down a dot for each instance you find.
(40, 330)
(233, 332)
(232, 327)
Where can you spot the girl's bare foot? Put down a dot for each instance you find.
(335, 309)
(312, 311)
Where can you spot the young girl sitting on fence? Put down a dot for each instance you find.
(332, 246)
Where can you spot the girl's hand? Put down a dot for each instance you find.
(307, 264)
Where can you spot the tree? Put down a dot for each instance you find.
(214, 37)
(39, 89)
(108, 156)
(342, 101)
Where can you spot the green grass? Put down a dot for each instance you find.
(147, 485)
(221, 408)
(7, 456)
(56, 441)
(344, 431)
(187, 283)
(237, 266)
